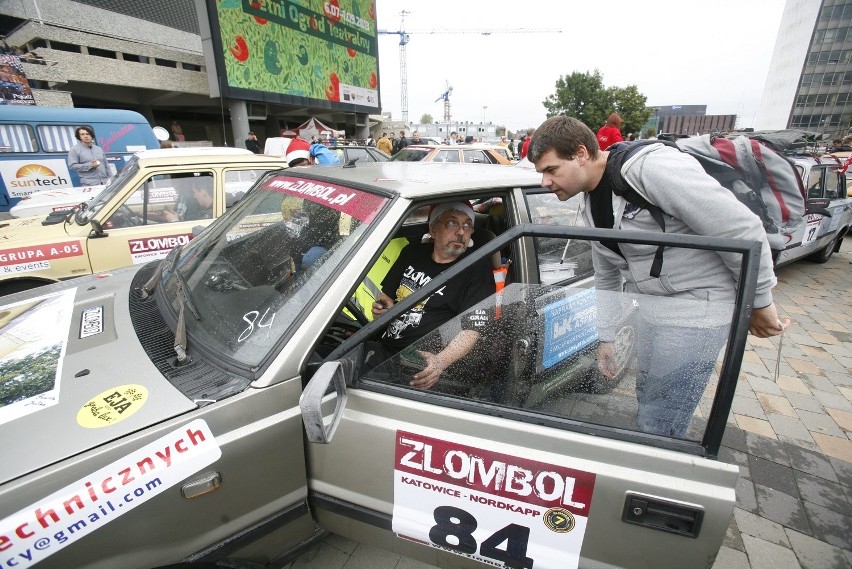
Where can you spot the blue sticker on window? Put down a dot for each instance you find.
(570, 324)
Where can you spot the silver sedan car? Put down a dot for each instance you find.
(216, 407)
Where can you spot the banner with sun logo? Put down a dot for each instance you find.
(323, 51)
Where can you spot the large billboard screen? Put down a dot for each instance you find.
(308, 53)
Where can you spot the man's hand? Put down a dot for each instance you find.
(765, 322)
(607, 363)
(430, 375)
(382, 304)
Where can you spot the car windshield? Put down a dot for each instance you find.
(248, 277)
(115, 186)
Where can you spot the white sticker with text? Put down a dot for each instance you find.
(43, 528)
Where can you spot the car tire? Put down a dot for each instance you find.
(11, 287)
(824, 254)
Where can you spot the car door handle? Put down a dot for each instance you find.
(199, 486)
(664, 515)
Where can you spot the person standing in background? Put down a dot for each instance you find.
(252, 143)
(177, 131)
(87, 159)
(610, 133)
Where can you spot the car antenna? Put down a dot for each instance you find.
(351, 163)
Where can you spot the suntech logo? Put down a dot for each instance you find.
(37, 176)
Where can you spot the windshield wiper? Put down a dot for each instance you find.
(169, 262)
(180, 329)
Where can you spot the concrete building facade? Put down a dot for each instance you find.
(809, 84)
(143, 56)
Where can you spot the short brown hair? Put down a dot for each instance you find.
(564, 135)
(614, 120)
(86, 128)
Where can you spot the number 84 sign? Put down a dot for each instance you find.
(498, 509)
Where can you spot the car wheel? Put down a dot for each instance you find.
(625, 350)
(824, 254)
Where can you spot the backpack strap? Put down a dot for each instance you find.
(619, 153)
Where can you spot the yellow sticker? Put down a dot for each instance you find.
(112, 406)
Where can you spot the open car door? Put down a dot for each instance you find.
(523, 454)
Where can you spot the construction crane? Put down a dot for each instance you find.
(445, 96)
(403, 42)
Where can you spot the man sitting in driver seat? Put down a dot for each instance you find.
(451, 228)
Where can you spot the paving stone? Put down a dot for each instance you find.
(781, 508)
(765, 555)
(829, 526)
(776, 404)
(728, 558)
(810, 445)
(746, 498)
(320, 556)
(773, 475)
(755, 370)
(819, 383)
(811, 462)
(755, 526)
(843, 469)
(820, 423)
(833, 400)
(823, 493)
(842, 418)
(834, 446)
(846, 391)
(735, 438)
(756, 426)
(770, 449)
(805, 402)
(789, 427)
(815, 554)
(764, 385)
(828, 364)
(792, 383)
(844, 379)
(748, 407)
(733, 537)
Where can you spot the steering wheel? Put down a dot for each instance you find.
(131, 219)
(356, 313)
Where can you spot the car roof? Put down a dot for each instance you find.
(192, 151)
(414, 180)
(474, 146)
(201, 158)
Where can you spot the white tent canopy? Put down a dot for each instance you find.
(312, 127)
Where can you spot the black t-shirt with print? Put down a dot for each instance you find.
(414, 269)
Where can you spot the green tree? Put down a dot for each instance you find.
(426, 119)
(584, 96)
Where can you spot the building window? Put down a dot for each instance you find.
(101, 53)
(61, 46)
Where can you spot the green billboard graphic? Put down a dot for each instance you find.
(309, 49)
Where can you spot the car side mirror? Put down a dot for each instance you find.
(316, 393)
(97, 229)
(819, 205)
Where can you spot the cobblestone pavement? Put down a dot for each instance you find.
(791, 437)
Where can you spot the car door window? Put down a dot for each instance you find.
(167, 198)
(359, 154)
(559, 259)
(238, 182)
(581, 354)
(475, 157)
(17, 138)
(815, 182)
(446, 156)
(832, 183)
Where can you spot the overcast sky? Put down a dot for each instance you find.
(683, 52)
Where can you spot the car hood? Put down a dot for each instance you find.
(14, 231)
(73, 375)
